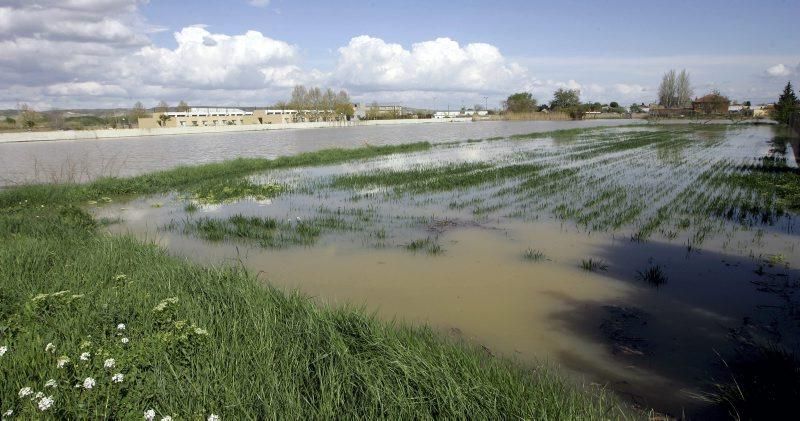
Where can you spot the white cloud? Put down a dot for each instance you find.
(85, 89)
(779, 70)
(442, 64)
(203, 60)
(629, 89)
(259, 3)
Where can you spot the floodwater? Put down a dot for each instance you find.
(660, 346)
(82, 160)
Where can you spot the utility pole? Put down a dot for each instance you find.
(486, 103)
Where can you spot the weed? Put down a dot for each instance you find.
(593, 265)
(653, 275)
(533, 255)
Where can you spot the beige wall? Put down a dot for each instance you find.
(258, 117)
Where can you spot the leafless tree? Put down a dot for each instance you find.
(162, 107)
(182, 107)
(675, 90)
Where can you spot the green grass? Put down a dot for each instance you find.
(428, 245)
(266, 232)
(593, 265)
(436, 179)
(533, 255)
(202, 340)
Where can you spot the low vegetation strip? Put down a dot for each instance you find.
(100, 326)
(193, 179)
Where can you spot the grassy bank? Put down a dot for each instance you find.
(120, 328)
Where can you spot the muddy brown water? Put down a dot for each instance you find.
(660, 347)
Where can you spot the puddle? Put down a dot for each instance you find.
(440, 237)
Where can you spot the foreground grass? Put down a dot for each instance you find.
(191, 341)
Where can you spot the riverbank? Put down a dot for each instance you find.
(45, 136)
(108, 327)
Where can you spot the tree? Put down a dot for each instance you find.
(138, 111)
(675, 90)
(714, 103)
(786, 106)
(565, 99)
(520, 102)
(635, 108)
(162, 107)
(614, 104)
(162, 119)
(27, 116)
(182, 107)
(343, 106)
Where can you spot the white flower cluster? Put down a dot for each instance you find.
(118, 378)
(109, 363)
(85, 356)
(88, 383)
(3, 350)
(50, 348)
(62, 361)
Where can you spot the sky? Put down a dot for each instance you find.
(428, 54)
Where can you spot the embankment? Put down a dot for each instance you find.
(44, 136)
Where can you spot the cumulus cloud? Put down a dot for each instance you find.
(204, 60)
(779, 70)
(442, 64)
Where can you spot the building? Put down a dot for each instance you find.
(196, 117)
(365, 111)
(762, 111)
(712, 103)
(447, 114)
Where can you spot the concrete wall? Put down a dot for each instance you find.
(162, 131)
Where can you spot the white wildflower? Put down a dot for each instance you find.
(37, 396)
(150, 415)
(163, 304)
(88, 383)
(117, 378)
(120, 277)
(51, 383)
(109, 363)
(8, 413)
(3, 350)
(213, 417)
(85, 356)
(45, 403)
(166, 418)
(200, 331)
(50, 347)
(121, 326)
(124, 340)
(25, 391)
(62, 361)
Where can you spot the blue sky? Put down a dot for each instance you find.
(415, 52)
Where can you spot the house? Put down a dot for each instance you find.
(713, 103)
(762, 111)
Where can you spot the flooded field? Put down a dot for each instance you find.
(83, 160)
(637, 257)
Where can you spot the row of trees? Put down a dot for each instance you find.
(564, 100)
(312, 104)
